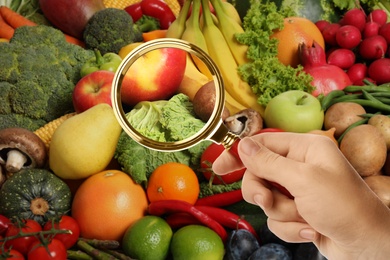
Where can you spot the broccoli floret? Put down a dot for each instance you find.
(39, 72)
(109, 30)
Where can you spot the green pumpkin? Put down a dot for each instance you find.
(34, 194)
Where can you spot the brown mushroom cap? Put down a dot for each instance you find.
(247, 122)
(25, 142)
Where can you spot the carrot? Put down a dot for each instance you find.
(14, 19)
(6, 31)
(155, 34)
(74, 40)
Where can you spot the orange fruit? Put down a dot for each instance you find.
(296, 30)
(107, 203)
(173, 181)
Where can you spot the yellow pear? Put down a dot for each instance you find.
(85, 143)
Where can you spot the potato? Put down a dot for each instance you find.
(380, 185)
(365, 148)
(341, 115)
(382, 122)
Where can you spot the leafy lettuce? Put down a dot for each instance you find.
(164, 121)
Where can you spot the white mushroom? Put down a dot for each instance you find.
(21, 148)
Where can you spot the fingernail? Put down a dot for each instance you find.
(249, 147)
(259, 201)
(308, 233)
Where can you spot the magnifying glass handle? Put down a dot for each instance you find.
(234, 151)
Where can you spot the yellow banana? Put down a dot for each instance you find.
(220, 52)
(177, 28)
(193, 34)
(229, 27)
(231, 11)
(233, 105)
(193, 79)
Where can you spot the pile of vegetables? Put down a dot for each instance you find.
(39, 70)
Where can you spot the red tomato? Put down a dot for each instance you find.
(11, 254)
(22, 244)
(4, 223)
(65, 223)
(207, 159)
(54, 250)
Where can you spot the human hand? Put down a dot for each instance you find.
(332, 205)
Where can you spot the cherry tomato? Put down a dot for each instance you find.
(11, 254)
(22, 244)
(54, 250)
(4, 223)
(208, 157)
(65, 223)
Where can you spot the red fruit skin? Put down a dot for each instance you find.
(326, 77)
(70, 16)
(384, 31)
(372, 48)
(355, 17)
(329, 33)
(357, 72)
(348, 36)
(379, 70)
(342, 58)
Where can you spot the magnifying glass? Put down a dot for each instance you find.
(214, 129)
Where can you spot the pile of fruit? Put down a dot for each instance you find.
(74, 185)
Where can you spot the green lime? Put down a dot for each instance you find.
(194, 242)
(147, 239)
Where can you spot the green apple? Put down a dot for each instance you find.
(294, 111)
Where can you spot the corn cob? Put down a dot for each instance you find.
(46, 132)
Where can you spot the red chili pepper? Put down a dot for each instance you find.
(162, 207)
(228, 219)
(135, 11)
(160, 10)
(181, 219)
(221, 199)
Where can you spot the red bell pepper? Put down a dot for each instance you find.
(135, 11)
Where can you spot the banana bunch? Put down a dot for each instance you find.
(215, 34)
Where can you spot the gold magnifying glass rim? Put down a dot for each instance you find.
(210, 128)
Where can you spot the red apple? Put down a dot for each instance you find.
(93, 89)
(70, 16)
(154, 76)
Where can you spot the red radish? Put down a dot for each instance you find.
(329, 33)
(348, 36)
(321, 24)
(355, 17)
(357, 72)
(362, 82)
(374, 47)
(378, 15)
(379, 70)
(326, 77)
(385, 32)
(371, 29)
(342, 58)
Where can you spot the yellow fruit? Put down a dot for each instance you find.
(128, 48)
(195, 242)
(147, 238)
